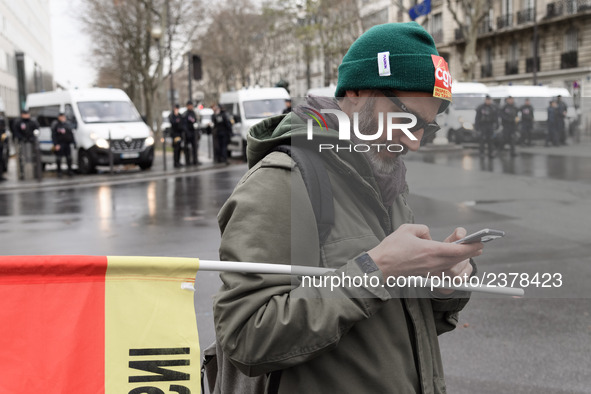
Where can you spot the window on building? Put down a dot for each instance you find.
(528, 4)
(506, 18)
(436, 27)
(512, 64)
(514, 51)
(506, 7)
(486, 69)
(571, 40)
(569, 56)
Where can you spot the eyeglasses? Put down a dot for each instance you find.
(429, 128)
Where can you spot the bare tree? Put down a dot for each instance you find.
(469, 15)
(338, 24)
(229, 47)
(124, 48)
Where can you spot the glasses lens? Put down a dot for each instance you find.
(431, 129)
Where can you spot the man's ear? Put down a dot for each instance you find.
(352, 101)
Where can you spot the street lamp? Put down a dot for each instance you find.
(156, 34)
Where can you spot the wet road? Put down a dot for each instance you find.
(548, 166)
(164, 216)
(536, 345)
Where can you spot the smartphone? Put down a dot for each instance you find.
(484, 235)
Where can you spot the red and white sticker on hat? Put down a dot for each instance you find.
(442, 88)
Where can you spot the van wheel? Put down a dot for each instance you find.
(85, 163)
(244, 150)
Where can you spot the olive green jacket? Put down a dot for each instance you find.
(345, 340)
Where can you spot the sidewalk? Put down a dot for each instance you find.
(121, 173)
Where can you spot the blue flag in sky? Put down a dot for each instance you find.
(420, 9)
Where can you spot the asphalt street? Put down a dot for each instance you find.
(537, 344)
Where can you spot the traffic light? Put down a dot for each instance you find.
(197, 73)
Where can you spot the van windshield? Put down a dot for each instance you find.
(108, 112)
(258, 109)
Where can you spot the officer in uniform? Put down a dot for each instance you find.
(3, 146)
(527, 122)
(560, 118)
(24, 134)
(191, 135)
(62, 137)
(509, 120)
(487, 120)
(222, 126)
(176, 133)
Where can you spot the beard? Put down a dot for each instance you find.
(383, 164)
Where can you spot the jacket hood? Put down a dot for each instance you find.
(281, 129)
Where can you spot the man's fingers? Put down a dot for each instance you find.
(459, 233)
(418, 230)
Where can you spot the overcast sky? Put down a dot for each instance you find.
(71, 47)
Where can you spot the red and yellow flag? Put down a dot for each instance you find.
(86, 324)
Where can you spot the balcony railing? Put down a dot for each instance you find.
(486, 71)
(566, 7)
(511, 67)
(485, 26)
(569, 59)
(529, 64)
(525, 16)
(554, 9)
(504, 21)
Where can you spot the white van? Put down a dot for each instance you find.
(248, 107)
(96, 115)
(458, 121)
(540, 97)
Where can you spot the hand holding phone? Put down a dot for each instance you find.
(484, 235)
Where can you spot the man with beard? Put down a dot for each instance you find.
(361, 336)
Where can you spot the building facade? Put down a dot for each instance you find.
(26, 60)
(506, 43)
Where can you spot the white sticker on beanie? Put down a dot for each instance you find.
(384, 64)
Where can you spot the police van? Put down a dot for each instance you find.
(106, 126)
(246, 107)
(540, 97)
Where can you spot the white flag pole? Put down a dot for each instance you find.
(283, 269)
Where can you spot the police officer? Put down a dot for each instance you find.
(3, 146)
(487, 121)
(527, 122)
(222, 126)
(509, 120)
(62, 137)
(24, 134)
(176, 133)
(552, 137)
(560, 117)
(287, 106)
(191, 135)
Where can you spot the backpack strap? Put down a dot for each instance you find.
(317, 183)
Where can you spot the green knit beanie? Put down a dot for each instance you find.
(408, 67)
